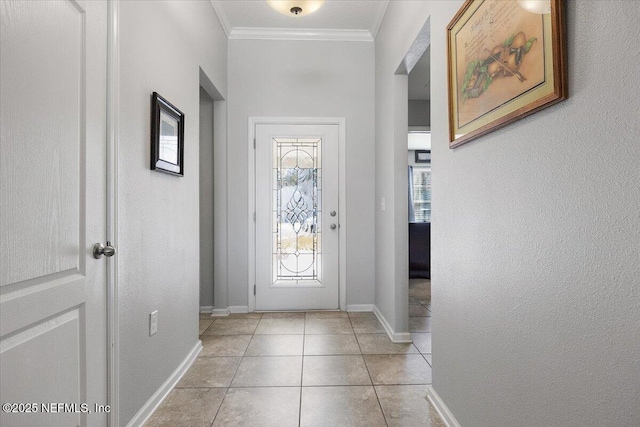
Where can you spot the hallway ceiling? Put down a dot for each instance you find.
(336, 17)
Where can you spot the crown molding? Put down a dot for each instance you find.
(376, 25)
(221, 17)
(244, 33)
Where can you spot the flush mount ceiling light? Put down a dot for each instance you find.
(536, 6)
(295, 7)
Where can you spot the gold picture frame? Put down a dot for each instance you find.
(506, 60)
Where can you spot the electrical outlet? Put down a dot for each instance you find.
(153, 323)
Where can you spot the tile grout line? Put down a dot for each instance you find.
(226, 391)
(384, 417)
(208, 327)
(424, 332)
(209, 388)
(304, 337)
(234, 376)
(425, 359)
(220, 406)
(307, 386)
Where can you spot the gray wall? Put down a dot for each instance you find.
(536, 238)
(158, 258)
(206, 200)
(304, 79)
(400, 27)
(419, 113)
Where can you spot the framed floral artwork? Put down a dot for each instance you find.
(506, 60)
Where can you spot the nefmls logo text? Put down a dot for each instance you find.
(79, 408)
(55, 407)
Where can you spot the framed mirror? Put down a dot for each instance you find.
(423, 156)
(167, 136)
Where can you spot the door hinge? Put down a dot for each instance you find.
(254, 143)
(254, 289)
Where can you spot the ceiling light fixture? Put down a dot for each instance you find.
(295, 7)
(540, 7)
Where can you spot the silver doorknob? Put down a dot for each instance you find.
(332, 213)
(332, 226)
(99, 249)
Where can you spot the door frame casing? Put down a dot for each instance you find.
(113, 106)
(342, 199)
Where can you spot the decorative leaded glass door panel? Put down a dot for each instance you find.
(297, 217)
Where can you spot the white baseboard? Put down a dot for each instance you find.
(154, 401)
(217, 312)
(360, 307)
(206, 309)
(441, 408)
(397, 337)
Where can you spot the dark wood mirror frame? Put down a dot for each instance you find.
(160, 105)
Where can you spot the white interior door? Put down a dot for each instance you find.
(297, 213)
(53, 344)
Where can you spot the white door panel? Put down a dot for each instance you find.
(53, 344)
(297, 238)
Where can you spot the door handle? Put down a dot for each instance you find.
(332, 226)
(99, 249)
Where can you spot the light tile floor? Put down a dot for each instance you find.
(306, 369)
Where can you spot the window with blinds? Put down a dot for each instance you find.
(422, 193)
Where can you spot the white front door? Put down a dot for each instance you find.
(297, 228)
(53, 343)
